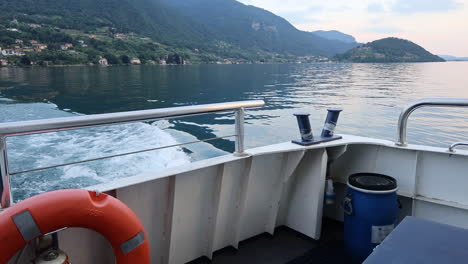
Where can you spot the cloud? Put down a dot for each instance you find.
(425, 6)
(382, 29)
(307, 15)
(302, 19)
(375, 8)
(376, 20)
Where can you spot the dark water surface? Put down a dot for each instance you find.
(370, 94)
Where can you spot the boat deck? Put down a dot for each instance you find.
(286, 246)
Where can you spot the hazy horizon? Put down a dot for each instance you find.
(440, 26)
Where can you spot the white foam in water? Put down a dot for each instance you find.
(42, 150)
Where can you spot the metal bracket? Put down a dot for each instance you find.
(316, 140)
(348, 205)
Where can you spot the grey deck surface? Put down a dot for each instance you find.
(286, 246)
(416, 240)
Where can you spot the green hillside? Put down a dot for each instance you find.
(197, 30)
(388, 50)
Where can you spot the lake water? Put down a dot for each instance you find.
(370, 94)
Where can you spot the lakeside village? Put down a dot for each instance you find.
(21, 49)
(17, 55)
(20, 45)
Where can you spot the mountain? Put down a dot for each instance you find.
(453, 58)
(388, 50)
(251, 27)
(205, 29)
(335, 35)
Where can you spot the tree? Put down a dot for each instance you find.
(25, 60)
(125, 59)
(175, 59)
(53, 46)
(112, 59)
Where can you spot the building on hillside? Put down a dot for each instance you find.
(34, 25)
(103, 61)
(13, 29)
(12, 52)
(39, 46)
(120, 36)
(19, 52)
(3, 62)
(81, 41)
(8, 52)
(66, 46)
(18, 41)
(33, 42)
(162, 62)
(135, 61)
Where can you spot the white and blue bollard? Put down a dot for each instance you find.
(307, 137)
(330, 122)
(304, 127)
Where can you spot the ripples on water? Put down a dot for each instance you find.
(371, 95)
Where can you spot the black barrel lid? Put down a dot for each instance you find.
(372, 181)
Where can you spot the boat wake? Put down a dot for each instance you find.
(49, 149)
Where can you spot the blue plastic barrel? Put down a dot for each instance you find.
(371, 212)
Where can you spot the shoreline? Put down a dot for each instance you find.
(164, 65)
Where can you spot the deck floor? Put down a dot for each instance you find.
(286, 246)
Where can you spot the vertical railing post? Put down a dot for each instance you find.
(5, 190)
(240, 132)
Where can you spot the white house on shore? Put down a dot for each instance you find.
(103, 61)
(135, 61)
(12, 52)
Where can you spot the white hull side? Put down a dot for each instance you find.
(192, 211)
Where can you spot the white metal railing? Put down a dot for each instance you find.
(69, 123)
(456, 144)
(428, 102)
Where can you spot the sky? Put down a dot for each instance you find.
(440, 26)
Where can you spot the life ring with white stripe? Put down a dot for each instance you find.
(51, 211)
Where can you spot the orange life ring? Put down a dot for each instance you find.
(52, 211)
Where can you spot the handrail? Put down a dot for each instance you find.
(66, 123)
(456, 144)
(69, 123)
(428, 102)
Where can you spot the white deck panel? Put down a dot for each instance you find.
(443, 176)
(193, 214)
(229, 209)
(261, 187)
(306, 196)
(152, 202)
